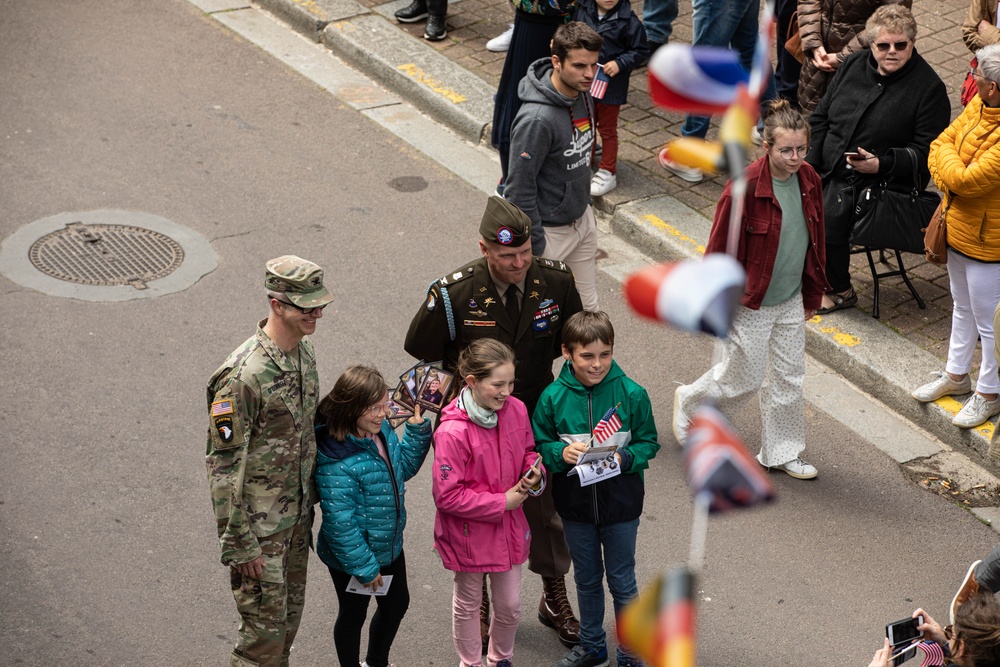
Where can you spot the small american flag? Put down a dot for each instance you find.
(222, 408)
(933, 655)
(600, 85)
(608, 426)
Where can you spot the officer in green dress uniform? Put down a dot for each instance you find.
(522, 301)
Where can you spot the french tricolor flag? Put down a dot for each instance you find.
(600, 85)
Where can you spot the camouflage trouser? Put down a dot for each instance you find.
(271, 608)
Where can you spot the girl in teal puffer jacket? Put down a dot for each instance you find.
(361, 470)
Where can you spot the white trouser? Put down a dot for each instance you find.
(576, 244)
(975, 292)
(765, 344)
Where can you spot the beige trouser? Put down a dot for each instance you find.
(576, 244)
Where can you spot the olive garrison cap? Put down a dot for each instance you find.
(299, 280)
(505, 223)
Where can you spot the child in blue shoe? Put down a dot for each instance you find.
(600, 520)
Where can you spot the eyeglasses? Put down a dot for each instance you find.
(949, 631)
(789, 153)
(380, 407)
(304, 311)
(899, 46)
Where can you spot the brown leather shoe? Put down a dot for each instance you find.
(484, 617)
(554, 611)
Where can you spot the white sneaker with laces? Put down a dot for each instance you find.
(501, 42)
(689, 174)
(941, 385)
(796, 468)
(602, 183)
(976, 411)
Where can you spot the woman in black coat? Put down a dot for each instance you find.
(880, 102)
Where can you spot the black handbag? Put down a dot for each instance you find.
(892, 220)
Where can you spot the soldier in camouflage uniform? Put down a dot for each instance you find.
(522, 301)
(260, 457)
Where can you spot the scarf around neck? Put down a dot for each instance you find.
(478, 414)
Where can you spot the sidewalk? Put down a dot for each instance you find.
(454, 81)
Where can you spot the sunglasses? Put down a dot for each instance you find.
(304, 311)
(899, 46)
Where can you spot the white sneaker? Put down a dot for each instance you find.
(976, 411)
(689, 174)
(755, 136)
(602, 183)
(680, 422)
(941, 385)
(796, 468)
(501, 42)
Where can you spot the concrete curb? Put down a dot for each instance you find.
(864, 351)
(371, 42)
(445, 91)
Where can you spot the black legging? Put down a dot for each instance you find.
(391, 608)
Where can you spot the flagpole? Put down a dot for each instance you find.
(699, 529)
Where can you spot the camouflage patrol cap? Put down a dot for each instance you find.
(299, 280)
(505, 223)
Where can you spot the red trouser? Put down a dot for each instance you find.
(607, 127)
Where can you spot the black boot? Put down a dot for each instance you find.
(413, 12)
(435, 29)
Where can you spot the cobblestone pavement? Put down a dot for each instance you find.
(644, 128)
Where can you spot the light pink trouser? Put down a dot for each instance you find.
(505, 593)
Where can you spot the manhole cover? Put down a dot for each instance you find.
(99, 254)
(106, 255)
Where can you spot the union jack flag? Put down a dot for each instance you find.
(608, 426)
(600, 85)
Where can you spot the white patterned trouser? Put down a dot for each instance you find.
(767, 344)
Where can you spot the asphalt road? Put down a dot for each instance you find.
(107, 551)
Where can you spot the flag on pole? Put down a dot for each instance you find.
(719, 465)
(933, 655)
(600, 84)
(660, 624)
(608, 426)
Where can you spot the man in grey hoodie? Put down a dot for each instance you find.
(551, 149)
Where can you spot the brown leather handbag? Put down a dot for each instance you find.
(936, 237)
(793, 42)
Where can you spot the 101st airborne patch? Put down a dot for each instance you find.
(222, 416)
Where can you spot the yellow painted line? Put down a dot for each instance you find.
(839, 337)
(952, 406)
(418, 74)
(344, 26)
(312, 7)
(673, 231)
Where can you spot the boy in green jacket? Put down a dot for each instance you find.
(601, 519)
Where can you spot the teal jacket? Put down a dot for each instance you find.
(362, 497)
(567, 412)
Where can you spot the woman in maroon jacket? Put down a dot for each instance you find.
(782, 249)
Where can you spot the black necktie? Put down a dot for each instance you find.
(513, 310)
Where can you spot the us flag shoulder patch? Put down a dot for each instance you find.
(223, 407)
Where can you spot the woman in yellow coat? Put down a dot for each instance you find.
(965, 164)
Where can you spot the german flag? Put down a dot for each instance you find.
(660, 624)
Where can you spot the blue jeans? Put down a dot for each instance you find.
(597, 550)
(732, 24)
(658, 16)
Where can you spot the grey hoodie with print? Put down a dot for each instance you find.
(551, 144)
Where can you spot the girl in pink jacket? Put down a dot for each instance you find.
(484, 467)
